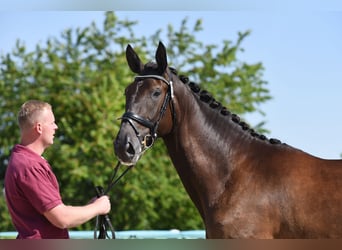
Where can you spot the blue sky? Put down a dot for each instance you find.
(300, 49)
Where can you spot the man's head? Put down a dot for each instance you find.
(37, 123)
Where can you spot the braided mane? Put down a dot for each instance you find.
(206, 97)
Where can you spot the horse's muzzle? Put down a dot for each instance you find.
(127, 146)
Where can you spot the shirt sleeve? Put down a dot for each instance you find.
(40, 187)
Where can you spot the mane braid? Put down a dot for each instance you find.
(206, 97)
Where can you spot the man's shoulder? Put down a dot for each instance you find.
(23, 159)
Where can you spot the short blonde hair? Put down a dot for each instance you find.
(29, 113)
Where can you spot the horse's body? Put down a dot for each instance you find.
(243, 184)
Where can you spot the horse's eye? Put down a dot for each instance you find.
(156, 93)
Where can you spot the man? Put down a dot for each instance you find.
(32, 191)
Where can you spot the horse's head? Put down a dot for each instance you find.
(148, 106)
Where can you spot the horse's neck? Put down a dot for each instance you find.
(209, 144)
(205, 147)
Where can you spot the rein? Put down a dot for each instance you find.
(103, 224)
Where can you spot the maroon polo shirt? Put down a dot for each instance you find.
(32, 189)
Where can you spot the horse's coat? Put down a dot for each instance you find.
(243, 184)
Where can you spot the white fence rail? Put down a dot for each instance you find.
(134, 234)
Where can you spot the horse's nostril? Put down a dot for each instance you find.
(130, 149)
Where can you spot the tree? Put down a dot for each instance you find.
(83, 75)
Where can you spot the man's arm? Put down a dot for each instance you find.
(63, 216)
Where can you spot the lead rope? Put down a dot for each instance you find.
(103, 224)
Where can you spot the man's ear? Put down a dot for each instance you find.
(39, 128)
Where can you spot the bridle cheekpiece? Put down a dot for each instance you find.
(148, 140)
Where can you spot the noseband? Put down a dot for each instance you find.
(148, 140)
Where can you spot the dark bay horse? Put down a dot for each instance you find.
(243, 184)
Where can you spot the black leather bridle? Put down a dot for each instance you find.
(103, 224)
(148, 140)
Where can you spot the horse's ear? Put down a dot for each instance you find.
(161, 58)
(133, 60)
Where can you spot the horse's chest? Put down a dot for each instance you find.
(243, 215)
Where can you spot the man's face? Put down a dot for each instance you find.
(48, 127)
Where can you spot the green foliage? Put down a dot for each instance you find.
(83, 74)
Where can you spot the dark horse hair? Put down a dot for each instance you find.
(207, 97)
(243, 184)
